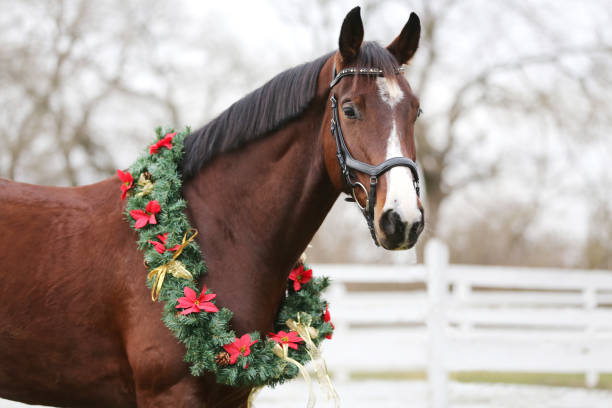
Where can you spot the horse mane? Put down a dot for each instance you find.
(268, 108)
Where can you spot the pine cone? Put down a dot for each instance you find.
(222, 359)
(147, 175)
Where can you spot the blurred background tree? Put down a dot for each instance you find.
(513, 144)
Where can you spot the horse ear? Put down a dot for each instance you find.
(351, 35)
(405, 45)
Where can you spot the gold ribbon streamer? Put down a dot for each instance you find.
(306, 332)
(146, 186)
(176, 268)
(283, 353)
(252, 395)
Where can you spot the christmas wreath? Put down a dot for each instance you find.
(155, 209)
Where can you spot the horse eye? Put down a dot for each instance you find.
(419, 113)
(350, 112)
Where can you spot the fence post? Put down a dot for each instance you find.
(591, 377)
(436, 262)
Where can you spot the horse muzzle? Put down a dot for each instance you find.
(396, 233)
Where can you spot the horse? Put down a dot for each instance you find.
(78, 326)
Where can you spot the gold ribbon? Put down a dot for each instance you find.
(174, 267)
(283, 353)
(146, 186)
(306, 332)
(252, 395)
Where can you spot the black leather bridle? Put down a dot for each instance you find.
(348, 163)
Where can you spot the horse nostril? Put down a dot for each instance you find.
(415, 230)
(392, 225)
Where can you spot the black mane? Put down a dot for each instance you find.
(269, 108)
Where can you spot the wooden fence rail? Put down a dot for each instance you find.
(440, 318)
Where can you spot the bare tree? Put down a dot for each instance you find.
(85, 81)
(523, 89)
(60, 68)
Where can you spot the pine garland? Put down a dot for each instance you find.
(204, 334)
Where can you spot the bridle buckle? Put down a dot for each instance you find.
(365, 191)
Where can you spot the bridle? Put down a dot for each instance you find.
(348, 163)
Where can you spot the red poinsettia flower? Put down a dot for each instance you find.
(327, 319)
(239, 347)
(194, 304)
(160, 247)
(165, 142)
(290, 339)
(147, 216)
(127, 181)
(299, 276)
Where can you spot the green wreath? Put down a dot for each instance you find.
(155, 208)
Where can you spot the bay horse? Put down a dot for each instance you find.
(78, 325)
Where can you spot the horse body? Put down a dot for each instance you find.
(78, 324)
(93, 327)
(52, 332)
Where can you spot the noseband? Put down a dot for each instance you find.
(348, 163)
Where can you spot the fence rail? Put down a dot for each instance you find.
(439, 318)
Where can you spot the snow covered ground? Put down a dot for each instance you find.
(414, 394)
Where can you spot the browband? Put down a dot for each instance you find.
(358, 71)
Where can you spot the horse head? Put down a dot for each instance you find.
(372, 121)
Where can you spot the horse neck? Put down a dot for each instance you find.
(257, 209)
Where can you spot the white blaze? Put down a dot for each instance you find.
(401, 194)
(389, 91)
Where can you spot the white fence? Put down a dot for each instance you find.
(440, 318)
